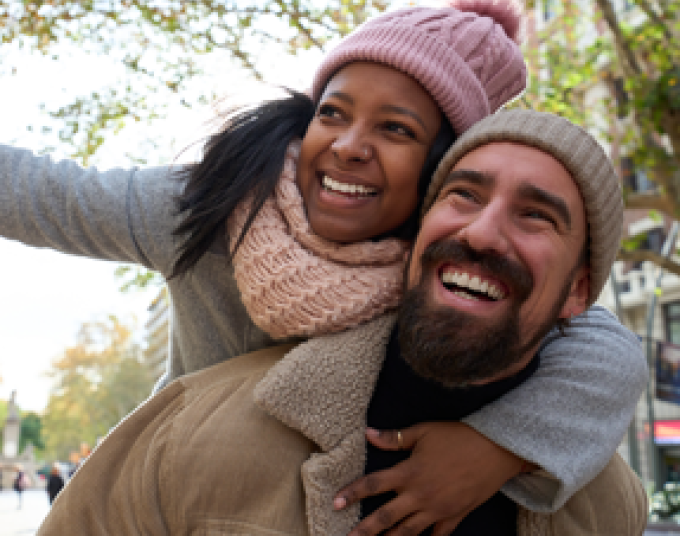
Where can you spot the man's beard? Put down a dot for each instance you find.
(453, 347)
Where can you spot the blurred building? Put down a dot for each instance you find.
(636, 282)
(158, 333)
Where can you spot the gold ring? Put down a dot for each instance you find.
(400, 440)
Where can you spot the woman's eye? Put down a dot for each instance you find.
(400, 129)
(327, 110)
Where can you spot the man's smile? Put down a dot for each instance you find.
(470, 286)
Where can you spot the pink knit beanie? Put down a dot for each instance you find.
(465, 55)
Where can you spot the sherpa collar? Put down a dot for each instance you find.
(322, 389)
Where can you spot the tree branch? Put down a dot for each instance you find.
(649, 202)
(646, 6)
(669, 13)
(646, 255)
(630, 62)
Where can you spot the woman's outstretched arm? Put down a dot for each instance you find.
(124, 215)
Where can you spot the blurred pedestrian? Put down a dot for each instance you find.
(74, 463)
(55, 483)
(21, 482)
(85, 451)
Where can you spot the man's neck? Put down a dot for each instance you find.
(403, 398)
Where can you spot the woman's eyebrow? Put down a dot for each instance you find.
(342, 96)
(403, 111)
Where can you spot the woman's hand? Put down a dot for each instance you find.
(451, 471)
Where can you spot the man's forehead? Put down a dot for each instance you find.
(495, 161)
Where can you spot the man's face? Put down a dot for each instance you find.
(495, 264)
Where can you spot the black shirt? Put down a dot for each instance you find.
(402, 398)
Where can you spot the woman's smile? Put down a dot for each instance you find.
(363, 153)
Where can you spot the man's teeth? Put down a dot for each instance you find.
(341, 187)
(463, 280)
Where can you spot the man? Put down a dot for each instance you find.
(512, 243)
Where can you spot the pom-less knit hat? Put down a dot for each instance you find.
(581, 155)
(466, 55)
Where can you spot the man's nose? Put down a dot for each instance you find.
(487, 230)
(352, 145)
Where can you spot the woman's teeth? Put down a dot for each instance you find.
(347, 189)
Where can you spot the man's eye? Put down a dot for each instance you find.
(462, 193)
(540, 215)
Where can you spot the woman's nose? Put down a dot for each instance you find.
(352, 146)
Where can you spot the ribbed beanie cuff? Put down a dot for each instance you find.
(582, 156)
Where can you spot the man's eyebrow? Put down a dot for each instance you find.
(543, 197)
(404, 111)
(528, 191)
(470, 175)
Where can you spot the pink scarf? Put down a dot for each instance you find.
(295, 283)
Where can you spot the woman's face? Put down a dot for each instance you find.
(363, 152)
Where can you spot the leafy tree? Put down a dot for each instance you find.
(31, 428)
(161, 45)
(3, 411)
(98, 381)
(631, 51)
(3, 418)
(31, 431)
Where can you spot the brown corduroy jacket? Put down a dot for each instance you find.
(260, 444)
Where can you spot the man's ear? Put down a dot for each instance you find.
(577, 298)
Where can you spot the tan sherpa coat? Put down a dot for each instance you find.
(260, 444)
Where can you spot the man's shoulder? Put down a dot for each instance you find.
(253, 363)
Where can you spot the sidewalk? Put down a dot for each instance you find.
(24, 521)
(663, 529)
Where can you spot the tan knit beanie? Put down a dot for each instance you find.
(578, 152)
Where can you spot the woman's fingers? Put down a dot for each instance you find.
(369, 485)
(389, 515)
(404, 439)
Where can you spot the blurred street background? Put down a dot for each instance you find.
(142, 83)
(24, 521)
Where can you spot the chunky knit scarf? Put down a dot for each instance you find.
(295, 283)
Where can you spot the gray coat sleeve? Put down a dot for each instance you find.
(121, 215)
(572, 414)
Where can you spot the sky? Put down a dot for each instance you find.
(46, 296)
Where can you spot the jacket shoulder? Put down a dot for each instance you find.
(257, 362)
(614, 502)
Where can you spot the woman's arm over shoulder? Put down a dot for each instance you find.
(125, 215)
(571, 415)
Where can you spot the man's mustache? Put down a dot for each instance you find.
(511, 272)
